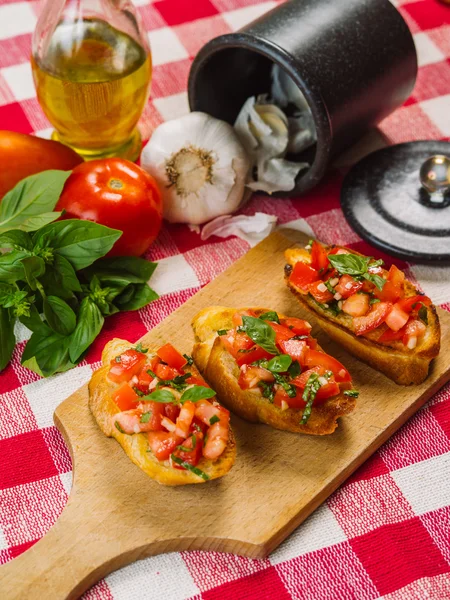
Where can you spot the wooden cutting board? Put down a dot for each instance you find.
(116, 514)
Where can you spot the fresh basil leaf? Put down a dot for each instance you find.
(177, 383)
(33, 267)
(309, 394)
(143, 295)
(267, 390)
(60, 317)
(11, 268)
(80, 242)
(349, 264)
(89, 324)
(290, 389)
(136, 270)
(6, 292)
(376, 263)
(423, 314)
(16, 240)
(196, 393)
(163, 396)
(351, 393)
(295, 369)
(279, 364)
(375, 279)
(29, 204)
(145, 418)
(261, 333)
(34, 322)
(60, 278)
(214, 419)
(47, 352)
(7, 337)
(189, 467)
(270, 315)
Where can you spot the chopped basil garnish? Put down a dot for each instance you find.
(140, 348)
(374, 300)
(184, 449)
(197, 428)
(214, 419)
(189, 467)
(351, 393)
(300, 337)
(423, 314)
(295, 369)
(118, 427)
(118, 359)
(309, 394)
(138, 392)
(329, 287)
(267, 390)
(261, 333)
(162, 396)
(290, 390)
(194, 441)
(196, 393)
(146, 417)
(222, 332)
(189, 359)
(177, 383)
(244, 351)
(357, 266)
(271, 315)
(375, 279)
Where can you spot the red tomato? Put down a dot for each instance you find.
(258, 353)
(281, 332)
(162, 443)
(320, 295)
(171, 356)
(237, 317)
(171, 411)
(319, 257)
(373, 320)
(396, 276)
(414, 330)
(281, 396)
(391, 336)
(396, 318)
(329, 389)
(157, 412)
(197, 380)
(297, 349)
(298, 326)
(391, 292)
(413, 302)
(196, 425)
(166, 372)
(348, 286)
(356, 305)
(314, 358)
(125, 397)
(302, 275)
(250, 376)
(131, 362)
(193, 455)
(235, 341)
(119, 194)
(144, 380)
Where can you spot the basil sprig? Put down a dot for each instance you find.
(193, 394)
(270, 315)
(309, 395)
(261, 333)
(189, 467)
(357, 266)
(278, 364)
(56, 269)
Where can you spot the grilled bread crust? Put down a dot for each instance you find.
(403, 366)
(221, 370)
(136, 446)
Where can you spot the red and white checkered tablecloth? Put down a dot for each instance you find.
(386, 532)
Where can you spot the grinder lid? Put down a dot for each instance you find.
(398, 200)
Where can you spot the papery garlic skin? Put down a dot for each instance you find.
(200, 165)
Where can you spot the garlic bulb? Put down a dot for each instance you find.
(200, 166)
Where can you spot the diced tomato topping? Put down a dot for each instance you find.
(281, 332)
(257, 353)
(171, 356)
(414, 330)
(197, 425)
(392, 336)
(251, 375)
(297, 349)
(237, 317)
(372, 320)
(312, 342)
(396, 318)
(131, 362)
(314, 358)
(319, 257)
(327, 390)
(171, 411)
(125, 397)
(356, 305)
(166, 372)
(297, 326)
(197, 380)
(281, 396)
(302, 275)
(318, 293)
(301, 380)
(162, 443)
(235, 341)
(157, 412)
(396, 276)
(193, 452)
(144, 380)
(414, 303)
(391, 292)
(348, 286)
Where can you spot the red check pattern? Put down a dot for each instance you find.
(386, 532)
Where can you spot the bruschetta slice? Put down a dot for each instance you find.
(375, 313)
(268, 368)
(163, 413)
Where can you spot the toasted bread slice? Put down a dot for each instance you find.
(221, 370)
(394, 359)
(136, 446)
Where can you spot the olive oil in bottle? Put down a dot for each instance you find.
(92, 83)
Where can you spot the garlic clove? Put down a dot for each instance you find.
(277, 175)
(252, 229)
(200, 165)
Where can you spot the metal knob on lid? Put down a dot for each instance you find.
(435, 177)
